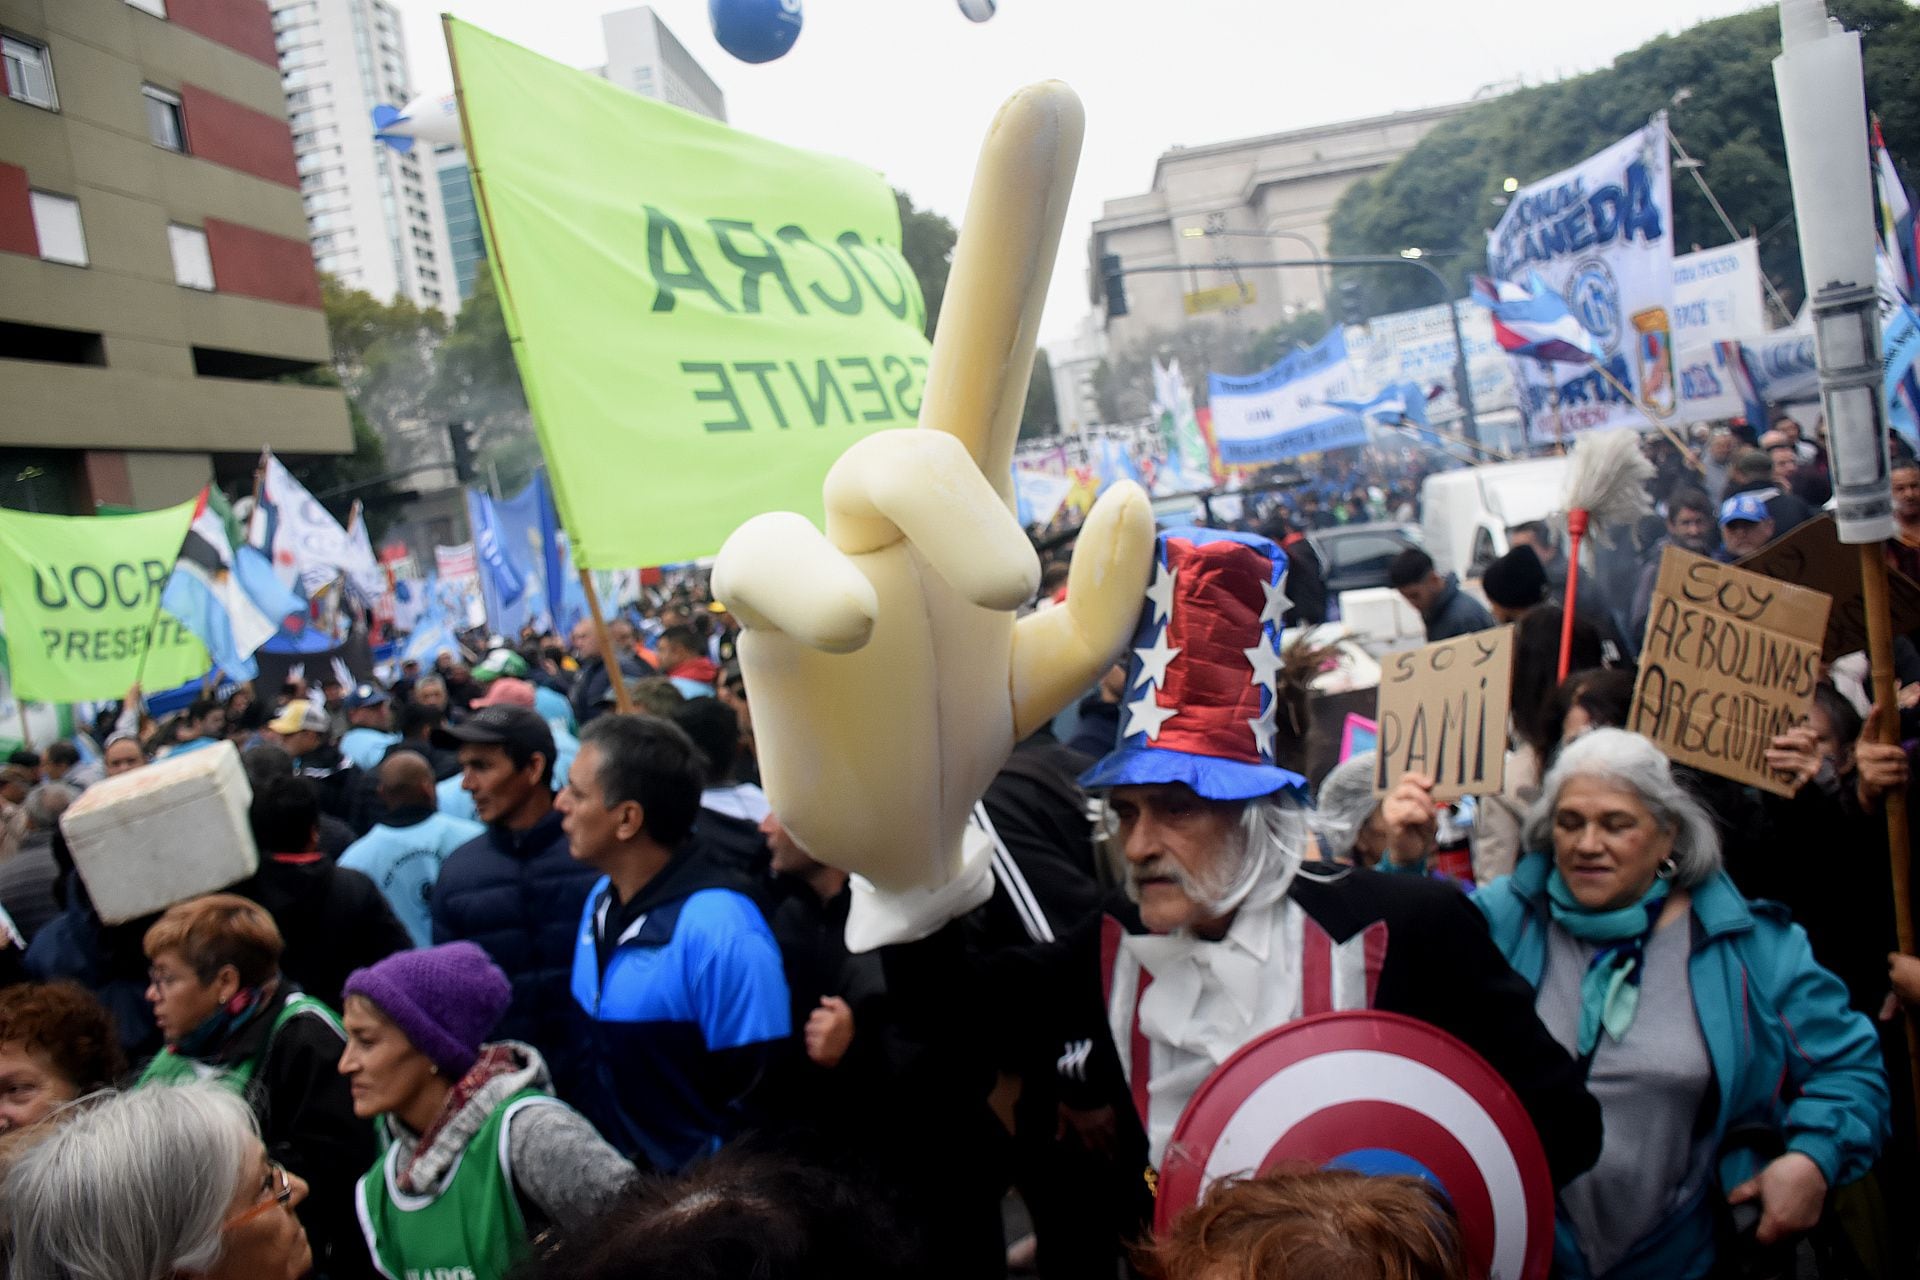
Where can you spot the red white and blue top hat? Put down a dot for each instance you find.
(1201, 697)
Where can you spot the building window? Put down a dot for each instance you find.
(158, 8)
(165, 125)
(192, 266)
(56, 221)
(29, 72)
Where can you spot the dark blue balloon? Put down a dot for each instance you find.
(755, 30)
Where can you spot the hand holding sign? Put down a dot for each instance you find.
(888, 676)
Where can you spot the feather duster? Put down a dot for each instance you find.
(1606, 486)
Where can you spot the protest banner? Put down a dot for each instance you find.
(1812, 555)
(1282, 412)
(703, 320)
(1601, 235)
(81, 596)
(1717, 294)
(1729, 661)
(1443, 712)
(1417, 346)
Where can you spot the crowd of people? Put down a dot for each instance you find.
(524, 984)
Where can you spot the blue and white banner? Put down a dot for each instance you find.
(1900, 345)
(1039, 496)
(1403, 402)
(1601, 235)
(1284, 411)
(1717, 294)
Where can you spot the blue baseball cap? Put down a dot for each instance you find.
(1744, 506)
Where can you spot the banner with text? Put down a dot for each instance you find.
(81, 596)
(703, 320)
(1601, 234)
(1729, 661)
(1717, 294)
(1283, 412)
(1417, 346)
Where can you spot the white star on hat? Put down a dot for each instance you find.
(1277, 602)
(1161, 592)
(1146, 713)
(1265, 663)
(1263, 728)
(1153, 662)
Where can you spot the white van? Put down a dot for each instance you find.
(1465, 514)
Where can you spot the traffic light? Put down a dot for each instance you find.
(460, 436)
(1348, 303)
(1113, 284)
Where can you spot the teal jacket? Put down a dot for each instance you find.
(1786, 1049)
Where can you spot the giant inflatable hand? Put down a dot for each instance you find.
(888, 677)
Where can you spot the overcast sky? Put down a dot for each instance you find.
(908, 86)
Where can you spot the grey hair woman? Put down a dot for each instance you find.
(161, 1182)
(1694, 1011)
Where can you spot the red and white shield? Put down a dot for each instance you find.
(1381, 1093)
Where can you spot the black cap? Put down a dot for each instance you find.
(1516, 580)
(499, 726)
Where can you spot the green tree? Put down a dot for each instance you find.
(337, 480)
(926, 241)
(383, 352)
(1716, 81)
(476, 381)
(1041, 416)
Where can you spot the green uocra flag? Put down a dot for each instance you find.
(703, 320)
(81, 597)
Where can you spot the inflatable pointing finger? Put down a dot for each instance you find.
(880, 716)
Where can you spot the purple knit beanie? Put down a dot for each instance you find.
(444, 999)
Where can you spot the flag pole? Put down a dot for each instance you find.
(622, 700)
(1873, 584)
(1673, 437)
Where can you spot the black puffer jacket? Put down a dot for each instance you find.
(518, 894)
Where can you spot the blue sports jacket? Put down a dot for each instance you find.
(1786, 1049)
(677, 1033)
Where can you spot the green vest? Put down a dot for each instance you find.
(470, 1229)
(169, 1067)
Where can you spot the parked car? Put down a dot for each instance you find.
(1353, 556)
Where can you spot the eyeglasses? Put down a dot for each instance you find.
(279, 1189)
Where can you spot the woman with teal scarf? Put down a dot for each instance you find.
(1695, 1011)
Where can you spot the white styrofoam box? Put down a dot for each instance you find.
(1381, 616)
(163, 833)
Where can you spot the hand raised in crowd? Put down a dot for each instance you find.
(1407, 823)
(829, 1031)
(1904, 973)
(1880, 767)
(1796, 754)
(1791, 1190)
(1909, 696)
(904, 605)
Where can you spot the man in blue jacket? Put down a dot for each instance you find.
(1444, 607)
(676, 977)
(515, 890)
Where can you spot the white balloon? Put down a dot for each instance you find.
(978, 10)
(432, 118)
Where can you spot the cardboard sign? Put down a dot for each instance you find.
(1812, 555)
(1730, 660)
(1443, 712)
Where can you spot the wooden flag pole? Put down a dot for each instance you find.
(622, 700)
(1873, 584)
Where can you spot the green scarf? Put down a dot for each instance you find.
(1610, 993)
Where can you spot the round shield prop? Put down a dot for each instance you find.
(1380, 1093)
